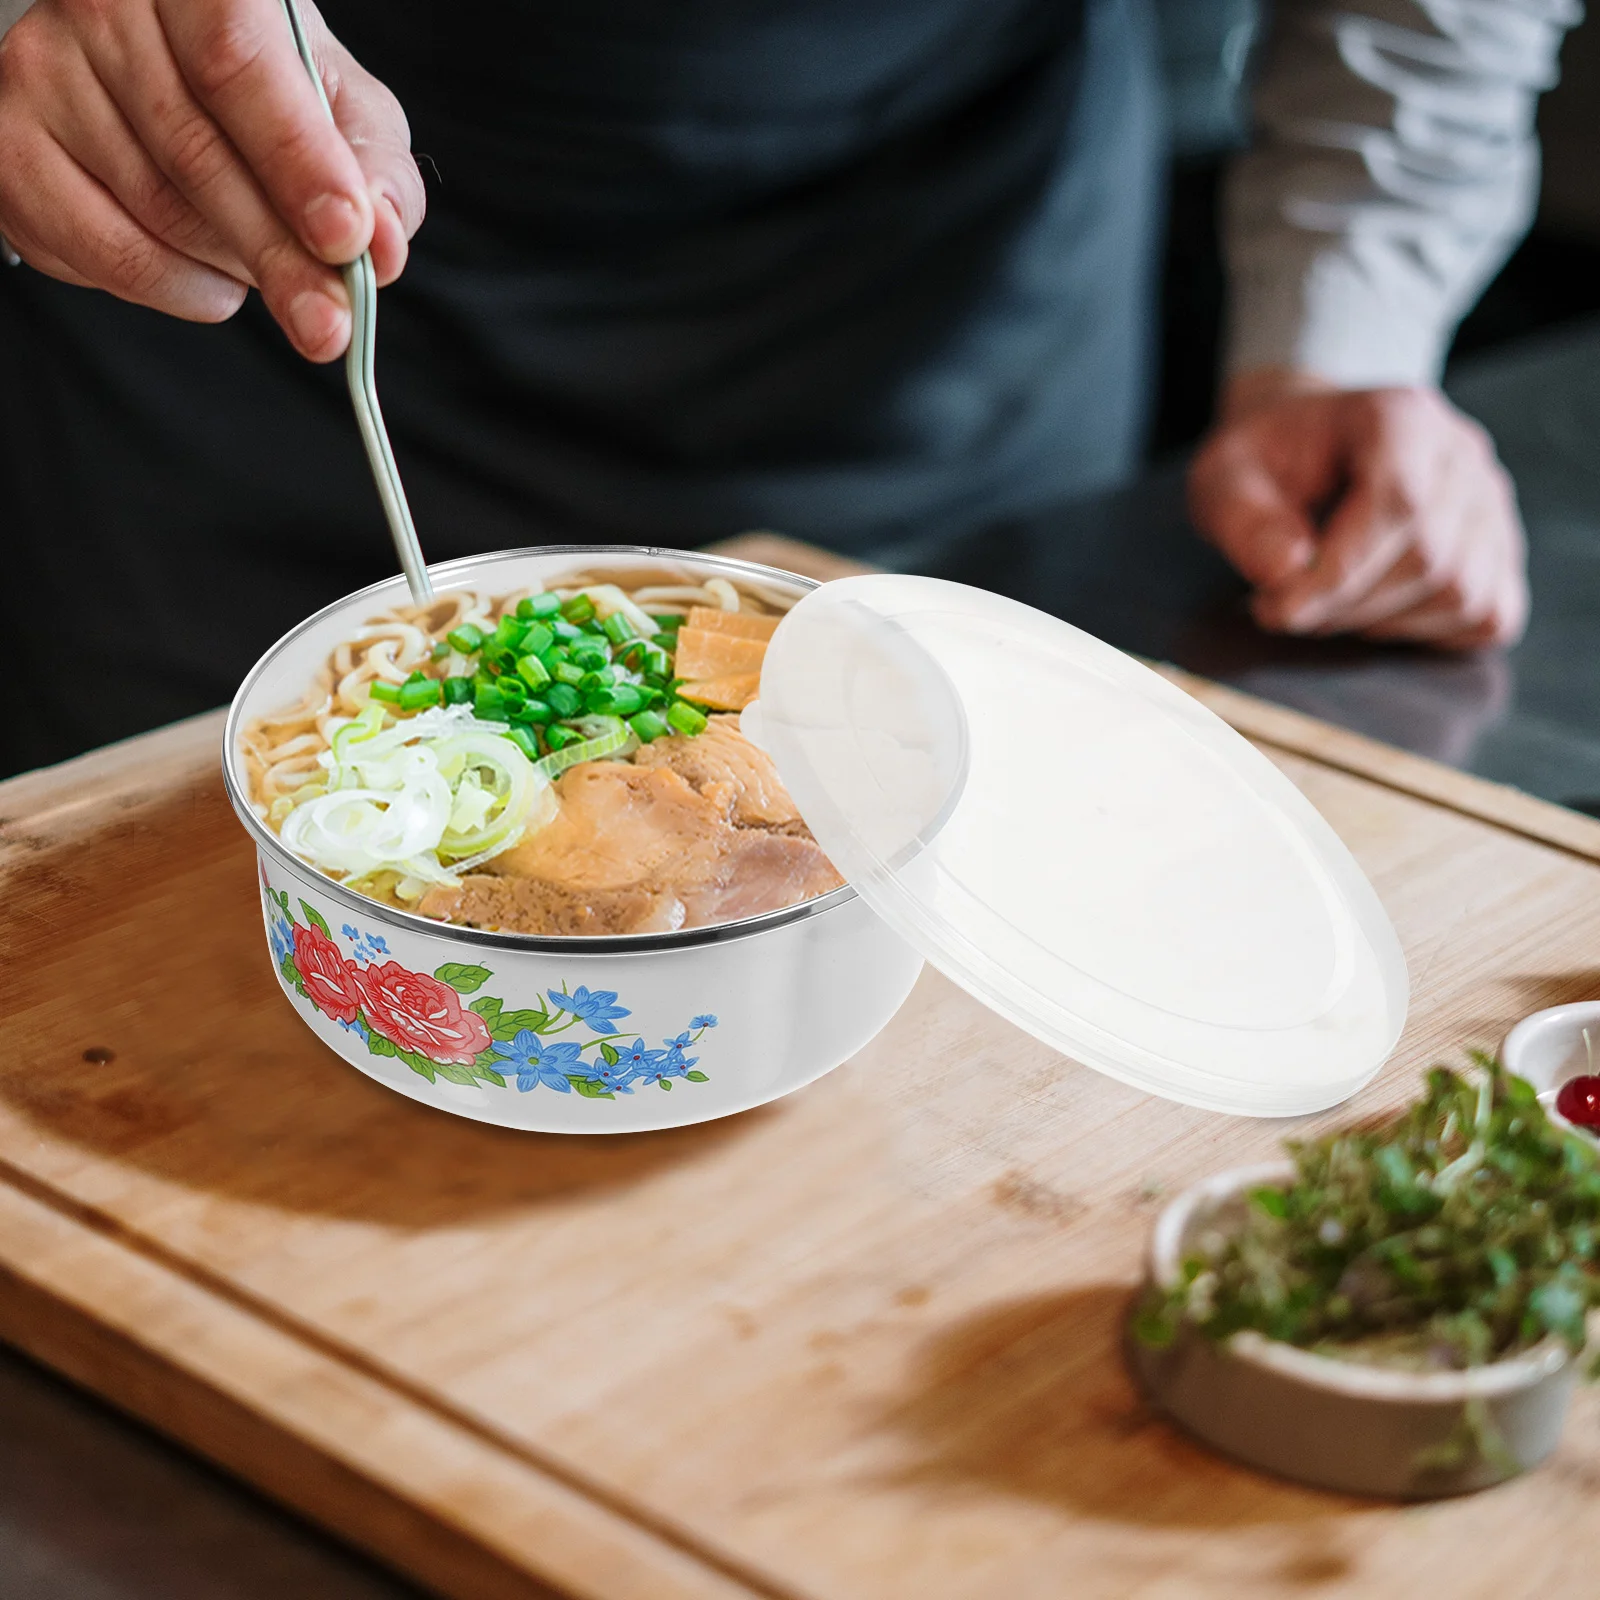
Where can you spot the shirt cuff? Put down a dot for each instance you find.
(1340, 313)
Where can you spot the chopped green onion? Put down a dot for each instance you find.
(508, 635)
(533, 672)
(441, 650)
(686, 719)
(538, 605)
(621, 700)
(590, 657)
(457, 691)
(567, 672)
(580, 608)
(564, 630)
(668, 622)
(557, 736)
(419, 676)
(468, 638)
(382, 689)
(618, 629)
(512, 689)
(488, 704)
(419, 692)
(648, 726)
(540, 711)
(524, 741)
(537, 639)
(564, 700)
(591, 749)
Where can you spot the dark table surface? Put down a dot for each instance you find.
(94, 1508)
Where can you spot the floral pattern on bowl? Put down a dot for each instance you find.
(424, 1021)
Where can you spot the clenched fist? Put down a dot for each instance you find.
(174, 152)
(1382, 512)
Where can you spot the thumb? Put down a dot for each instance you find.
(1240, 507)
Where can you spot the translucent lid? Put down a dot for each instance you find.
(1081, 845)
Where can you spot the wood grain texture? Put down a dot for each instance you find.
(859, 1345)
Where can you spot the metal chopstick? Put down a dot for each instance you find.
(360, 372)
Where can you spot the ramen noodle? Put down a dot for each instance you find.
(558, 761)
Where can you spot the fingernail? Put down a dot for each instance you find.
(317, 320)
(335, 226)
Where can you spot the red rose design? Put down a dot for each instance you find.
(419, 1013)
(329, 978)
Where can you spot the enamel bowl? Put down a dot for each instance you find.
(1339, 1424)
(680, 1027)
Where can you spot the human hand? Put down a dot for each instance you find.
(175, 152)
(1383, 512)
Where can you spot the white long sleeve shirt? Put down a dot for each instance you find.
(1393, 168)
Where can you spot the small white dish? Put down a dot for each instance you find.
(1547, 1050)
(1338, 1424)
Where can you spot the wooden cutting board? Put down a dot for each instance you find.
(858, 1345)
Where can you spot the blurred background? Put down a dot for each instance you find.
(1553, 278)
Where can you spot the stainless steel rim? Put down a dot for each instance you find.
(613, 945)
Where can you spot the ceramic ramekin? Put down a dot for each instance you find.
(1338, 1424)
(717, 1019)
(1547, 1049)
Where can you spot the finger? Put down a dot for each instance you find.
(240, 60)
(87, 124)
(370, 118)
(1486, 604)
(1365, 536)
(132, 58)
(82, 228)
(1237, 503)
(1405, 585)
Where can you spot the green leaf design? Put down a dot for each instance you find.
(487, 1007)
(462, 978)
(315, 918)
(378, 1045)
(511, 1023)
(457, 1074)
(419, 1065)
(609, 1051)
(697, 1077)
(590, 1090)
(663, 1082)
(487, 1073)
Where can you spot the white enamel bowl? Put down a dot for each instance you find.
(721, 1019)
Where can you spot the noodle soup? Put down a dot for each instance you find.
(563, 760)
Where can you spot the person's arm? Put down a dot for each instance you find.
(174, 152)
(1395, 166)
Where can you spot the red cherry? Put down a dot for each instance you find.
(1579, 1101)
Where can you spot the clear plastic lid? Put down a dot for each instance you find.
(1082, 846)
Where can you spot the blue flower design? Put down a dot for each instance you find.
(350, 933)
(597, 1009)
(682, 1042)
(356, 1025)
(636, 1059)
(379, 944)
(617, 1079)
(532, 1061)
(281, 940)
(673, 1063)
(706, 1021)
